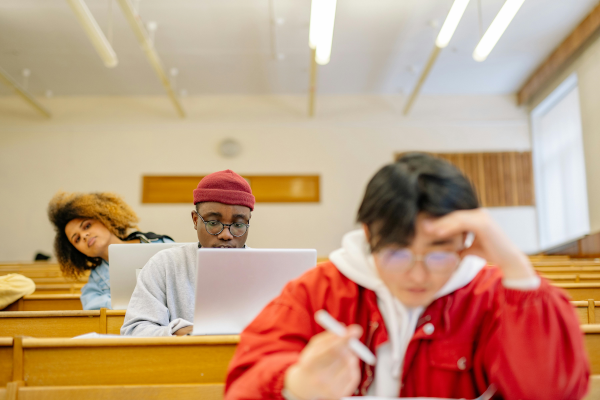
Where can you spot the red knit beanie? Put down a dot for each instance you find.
(225, 187)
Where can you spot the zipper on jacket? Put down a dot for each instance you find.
(368, 368)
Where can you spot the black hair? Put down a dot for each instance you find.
(415, 183)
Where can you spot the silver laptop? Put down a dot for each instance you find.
(234, 285)
(125, 262)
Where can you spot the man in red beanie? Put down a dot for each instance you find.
(162, 303)
(222, 199)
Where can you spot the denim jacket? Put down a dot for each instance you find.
(96, 292)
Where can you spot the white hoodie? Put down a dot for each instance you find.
(354, 260)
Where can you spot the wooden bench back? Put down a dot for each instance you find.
(46, 302)
(581, 291)
(60, 323)
(122, 361)
(146, 392)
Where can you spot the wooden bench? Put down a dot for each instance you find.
(62, 324)
(568, 270)
(572, 278)
(587, 311)
(121, 361)
(123, 392)
(58, 288)
(125, 368)
(47, 302)
(581, 291)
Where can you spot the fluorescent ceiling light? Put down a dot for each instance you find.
(496, 29)
(452, 20)
(89, 24)
(322, 18)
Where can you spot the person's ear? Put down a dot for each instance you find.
(367, 232)
(195, 220)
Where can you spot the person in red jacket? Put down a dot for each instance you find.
(414, 287)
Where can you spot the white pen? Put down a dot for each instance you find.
(330, 324)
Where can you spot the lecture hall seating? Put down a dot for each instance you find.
(67, 368)
(65, 324)
(46, 302)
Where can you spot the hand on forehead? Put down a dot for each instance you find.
(425, 237)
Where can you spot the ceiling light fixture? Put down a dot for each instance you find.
(28, 97)
(443, 39)
(451, 22)
(496, 29)
(320, 36)
(143, 38)
(95, 34)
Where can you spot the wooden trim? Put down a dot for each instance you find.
(102, 327)
(6, 341)
(501, 179)
(132, 341)
(38, 314)
(583, 303)
(590, 285)
(52, 297)
(590, 328)
(171, 189)
(12, 389)
(591, 311)
(116, 312)
(18, 359)
(206, 391)
(561, 56)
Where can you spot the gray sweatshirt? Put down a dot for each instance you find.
(165, 293)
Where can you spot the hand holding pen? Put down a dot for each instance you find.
(328, 367)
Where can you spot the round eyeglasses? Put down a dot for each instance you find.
(403, 260)
(214, 227)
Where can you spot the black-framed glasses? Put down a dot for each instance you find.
(215, 227)
(402, 260)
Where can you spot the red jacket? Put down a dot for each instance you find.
(528, 343)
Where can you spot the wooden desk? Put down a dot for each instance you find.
(64, 324)
(47, 302)
(123, 361)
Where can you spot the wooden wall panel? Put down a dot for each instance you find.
(503, 179)
(266, 188)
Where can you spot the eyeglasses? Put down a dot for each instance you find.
(404, 259)
(214, 227)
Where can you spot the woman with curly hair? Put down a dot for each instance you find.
(86, 224)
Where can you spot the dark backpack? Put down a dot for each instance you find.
(147, 237)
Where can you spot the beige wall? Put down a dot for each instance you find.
(587, 67)
(107, 144)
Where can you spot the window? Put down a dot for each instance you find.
(559, 167)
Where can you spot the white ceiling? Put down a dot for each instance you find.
(224, 46)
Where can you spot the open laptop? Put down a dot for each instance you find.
(234, 285)
(126, 260)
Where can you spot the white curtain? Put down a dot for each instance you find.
(559, 167)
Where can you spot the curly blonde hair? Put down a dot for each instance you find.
(108, 208)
